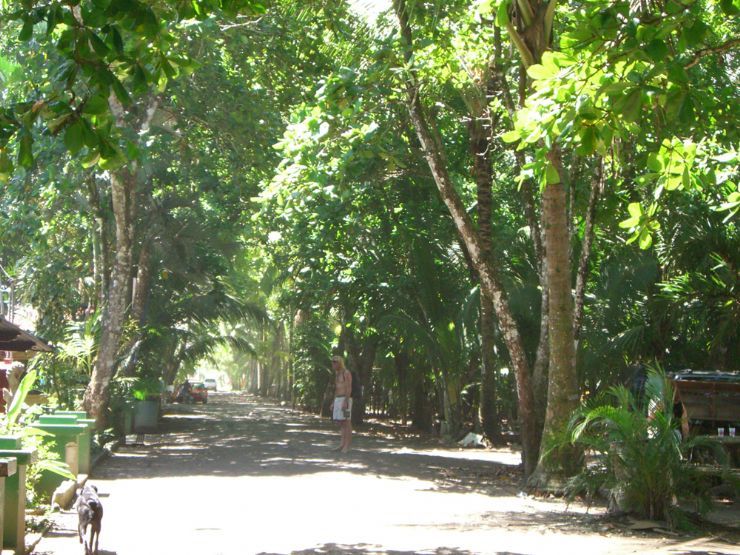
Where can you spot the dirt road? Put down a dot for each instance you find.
(242, 476)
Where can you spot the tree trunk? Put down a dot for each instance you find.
(170, 364)
(542, 358)
(401, 360)
(562, 394)
(531, 33)
(490, 282)
(451, 406)
(488, 410)
(101, 247)
(140, 295)
(421, 416)
(480, 130)
(588, 235)
(123, 195)
(539, 371)
(97, 393)
(361, 358)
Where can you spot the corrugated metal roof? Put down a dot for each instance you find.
(13, 338)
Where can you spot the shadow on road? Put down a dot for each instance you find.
(361, 549)
(235, 436)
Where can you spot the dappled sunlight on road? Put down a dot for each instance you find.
(500, 456)
(242, 476)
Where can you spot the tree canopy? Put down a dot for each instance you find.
(493, 208)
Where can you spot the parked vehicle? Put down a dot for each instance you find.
(192, 393)
(199, 393)
(210, 384)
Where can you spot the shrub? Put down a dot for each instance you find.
(636, 453)
(15, 422)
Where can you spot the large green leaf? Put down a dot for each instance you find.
(14, 411)
(73, 137)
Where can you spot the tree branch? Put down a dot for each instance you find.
(521, 46)
(699, 54)
(588, 233)
(549, 18)
(526, 11)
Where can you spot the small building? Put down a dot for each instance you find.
(16, 345)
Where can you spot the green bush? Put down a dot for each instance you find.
(146, 388)
(15, 422)
(635, 453)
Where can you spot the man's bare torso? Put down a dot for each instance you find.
(342, 384)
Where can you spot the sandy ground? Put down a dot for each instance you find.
(242, 476)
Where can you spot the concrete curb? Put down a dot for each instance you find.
(32, 540)
(65, 493)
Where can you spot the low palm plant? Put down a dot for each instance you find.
(14, 422)
(636, 454)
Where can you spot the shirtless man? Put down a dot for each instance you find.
(342, 405)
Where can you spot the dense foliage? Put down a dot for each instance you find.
(253, 185)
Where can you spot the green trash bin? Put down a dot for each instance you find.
(146, 416)
(77, 413)
(14, 504)
(65, 432)
(84, 465)
(8, 467)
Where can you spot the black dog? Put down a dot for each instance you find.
(90, 513)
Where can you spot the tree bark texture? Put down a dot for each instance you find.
(170, 361)
(542, 360)
(421, 413)
(450, 394)
(489, 280)
(139, 297)
(401, 360)
(531, 33)
(526, 193)
(114, 315)
(361, 358)
(597, 185)
(489, 417)
(480, 130)
(101, 248)
(562, 394)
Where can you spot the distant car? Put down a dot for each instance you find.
(210, 384)
(199, 393)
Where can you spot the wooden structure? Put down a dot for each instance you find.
(14, 339)
(710, 401)
(22, 345)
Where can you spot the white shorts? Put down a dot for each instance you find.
(338, 413)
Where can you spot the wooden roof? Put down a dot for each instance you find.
(13, 338)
